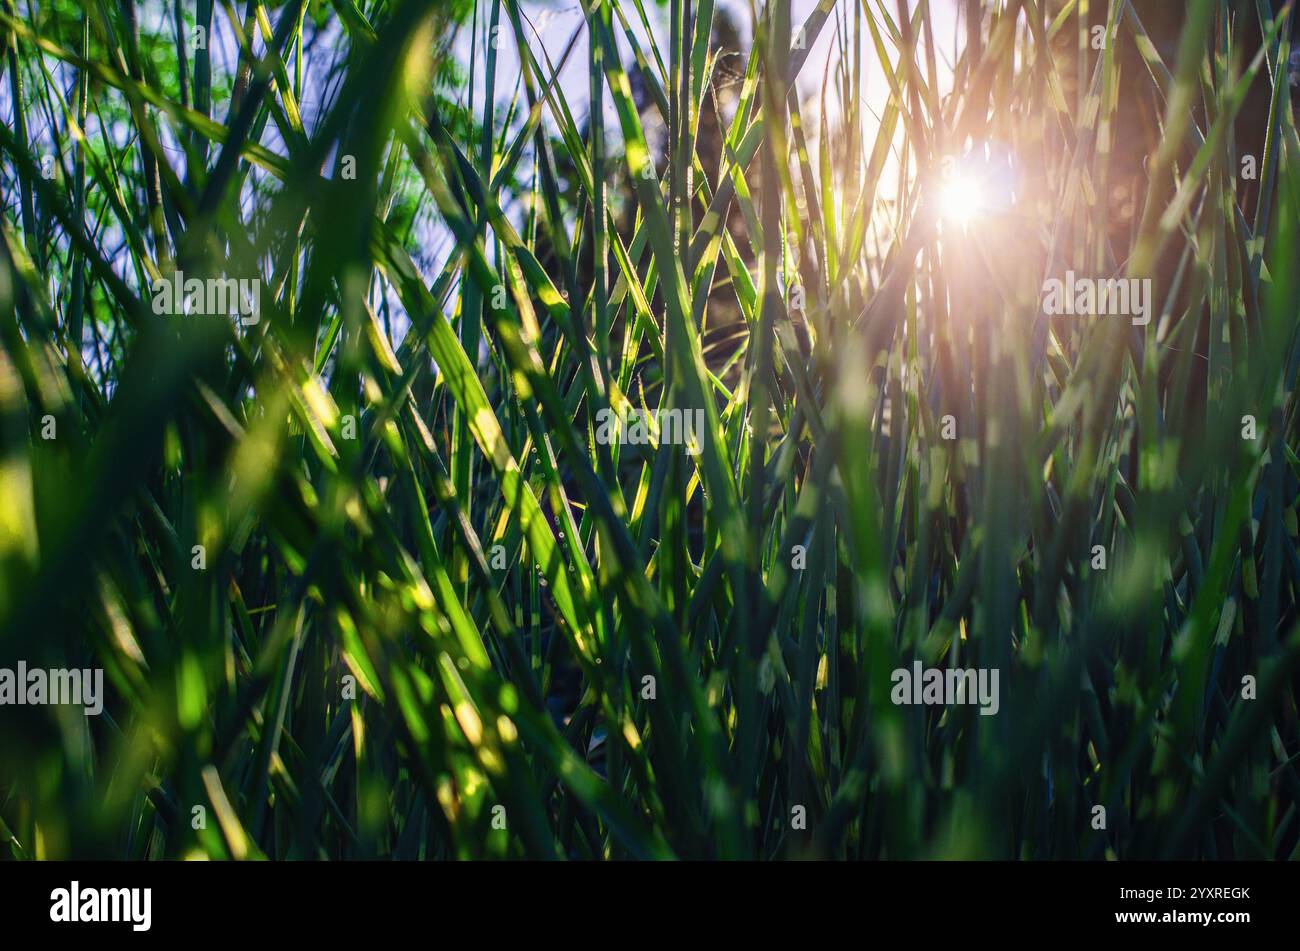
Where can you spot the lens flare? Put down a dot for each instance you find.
(962, 198)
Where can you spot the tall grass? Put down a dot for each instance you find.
(436, 617)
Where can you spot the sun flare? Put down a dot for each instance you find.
(961, 199)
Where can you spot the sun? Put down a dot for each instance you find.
(962, 198)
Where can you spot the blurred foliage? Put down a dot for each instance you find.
(362, 579)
